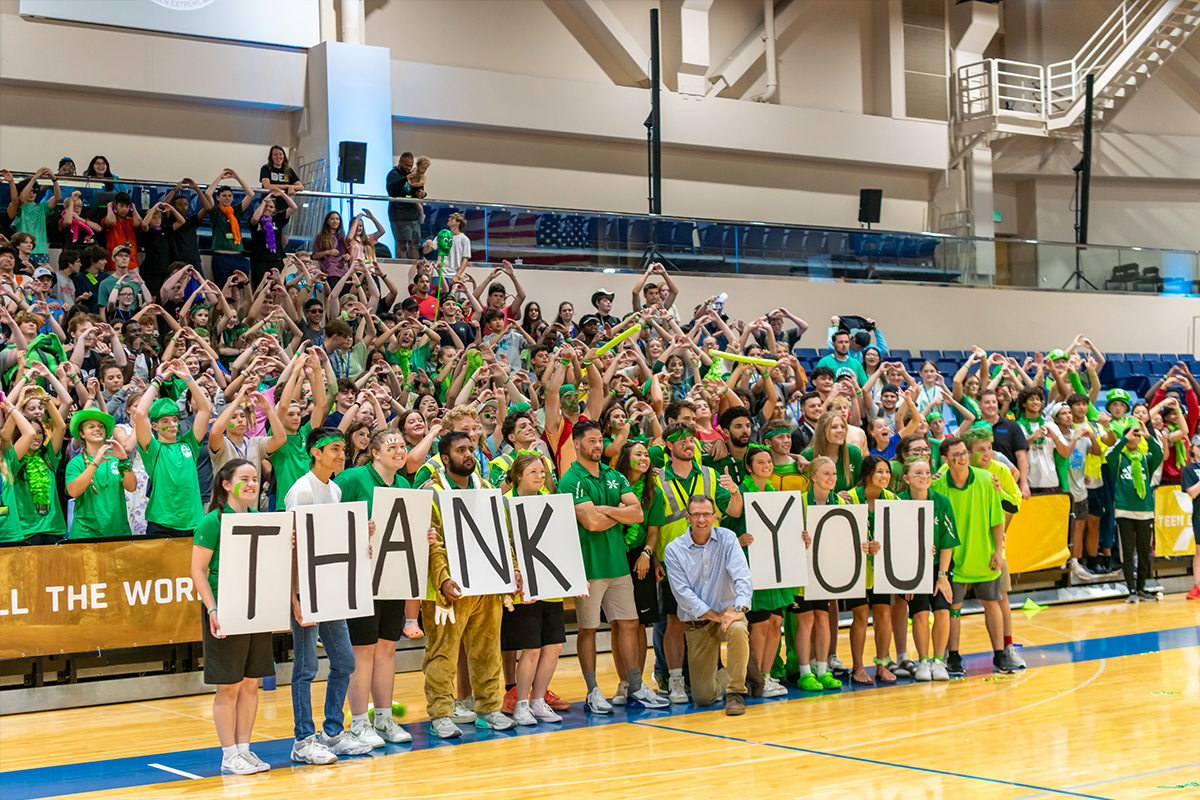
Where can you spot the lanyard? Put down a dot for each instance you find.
(691, 487)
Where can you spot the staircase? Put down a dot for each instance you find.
(1004, 96)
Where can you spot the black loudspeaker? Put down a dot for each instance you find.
(352, 162)
(869, 201)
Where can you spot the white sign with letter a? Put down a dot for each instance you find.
(777, 555)
(837, 566)
(400, 560)
(253, 592)
(546, 539)
(333, 561)
(476, 535)
(905, 530)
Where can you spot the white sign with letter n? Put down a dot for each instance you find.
(476, 536)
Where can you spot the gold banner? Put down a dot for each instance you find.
(1173, 534)
(1037, 536)
(96, 596)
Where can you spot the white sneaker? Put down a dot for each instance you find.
(835, 665)
(312, 751)
(1079, 572)
(346, 744)
(677, 695)
(364, 732)
(469, 702)
(444, 728)
(543, 712)
(622, 694)
(238, 764)
(773, 688)
(390, 731)
(495, 721)
(462, 714)
(259, 764)
(938, 671)
(648, 698)
(1014, 656)
(597, 703)
(522, 715)
(923, 672)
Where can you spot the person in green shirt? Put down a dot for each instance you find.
(918, 478)
(872, 486)
(10, 518)
(291, 461)
(175, 507)
(1133, 499)
(829, 440)
(98, 478)
(232, 663)
(35, 489)
(374, 637)
(840, 358)
(978, 557)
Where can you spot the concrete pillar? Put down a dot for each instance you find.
(694, 52)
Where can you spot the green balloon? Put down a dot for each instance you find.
(445, 240)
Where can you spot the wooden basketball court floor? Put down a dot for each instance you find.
(1109, 708)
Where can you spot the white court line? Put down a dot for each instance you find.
(177, 772)
(193, 716)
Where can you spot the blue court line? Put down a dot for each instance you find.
(120, 773)
(1118, 779)
(861, 760)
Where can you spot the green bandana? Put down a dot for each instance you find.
(327, 440)
(1137, 469)
(677, 436)
(1180, 449)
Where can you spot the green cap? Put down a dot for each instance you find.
(80, 417)
(1117, 394)
(932, 414)
(517, 408)
(1056, 355)
(565, 388)
(163, 407)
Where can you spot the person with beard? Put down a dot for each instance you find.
(811, 407)
(730, 455)
(451, 619)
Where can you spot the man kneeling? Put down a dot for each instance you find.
(709, 575)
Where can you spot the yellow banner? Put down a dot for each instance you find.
(83, 597)
(1037, 536)
(1173, 523)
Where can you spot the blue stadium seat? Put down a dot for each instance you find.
(954, 355)
(639, 235)
(682, 240)
(712, 239)
(1139, 367)
(1114, 356)
(806, 353)
(773, 243)
(931, 355)
(752, 241)
(664, 233)
(793, 248)
(948, 367)
(899, 355)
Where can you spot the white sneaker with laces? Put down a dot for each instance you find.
(648, 698)
(312, 751)
(346, 744)
(773, 688)
(835, 664)
(677, 695)
(622, 694)
(444, 728)
(543, 712)
(495, 721)
(1014, 656)
(364, 732)
(238, 764)
(390, 731)
(469, 702)
(923, 672)
(259, 764)
(597, 703)
(522, 715)
(938, 671)
(1078, 571)
(462, 714)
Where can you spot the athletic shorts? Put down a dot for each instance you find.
(1079, 510)
(1100, 501)
(871, 599)
(670, 606)
(754, 617)
(801, 606)
(928, 602)
(530, 626)
(614, 595)
(984, 590)
(386, 623)
(234, 658)
(645, 591)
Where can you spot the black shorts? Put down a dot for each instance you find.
(1009, 507)
(530, 626)
(234, 658)
(386, 623)
(645, 591)
(1079, 510)
(670, 606)
(754, 617)
(154, 529)
(927, 602)
(871, 599)
(801, 606)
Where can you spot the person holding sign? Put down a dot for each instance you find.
(679, 481)
(535, 628)
(711, 582)
(232, 663)
(918, 478)
(1190, 478)
(98, 478)
(872, 486)
(980, 522)
(175, 508)
(327, 456)
(374, 637)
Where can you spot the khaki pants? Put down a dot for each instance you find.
(478, 620)
(704, 647)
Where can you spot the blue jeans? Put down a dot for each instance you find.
(336, 639)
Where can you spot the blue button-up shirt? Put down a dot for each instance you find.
(708, 577)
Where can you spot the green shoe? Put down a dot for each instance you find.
(809, 683)
(827, 681)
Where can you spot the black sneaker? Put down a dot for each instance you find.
(954, 665)
(1147, 596)
(1003, 664)
(1132, 598)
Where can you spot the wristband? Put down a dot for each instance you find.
(212, 611)
(646, 551)
(564, 361)
(943, 574)
(587, 363)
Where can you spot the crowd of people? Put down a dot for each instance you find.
(147, 394)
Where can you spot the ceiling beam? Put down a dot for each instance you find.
(748, 59)
(605, 39)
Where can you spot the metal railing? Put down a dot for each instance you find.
(1124, 25)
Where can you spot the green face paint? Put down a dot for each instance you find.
(237, 488)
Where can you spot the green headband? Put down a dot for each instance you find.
(327, 440)
(773, 430)
(677, 436)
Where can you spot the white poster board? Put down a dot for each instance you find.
(253, 593)
(400, 557)
(777, 556)
(476, 535)
(333, 561)
(837, 566)
(905, 530)
(546, 539)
